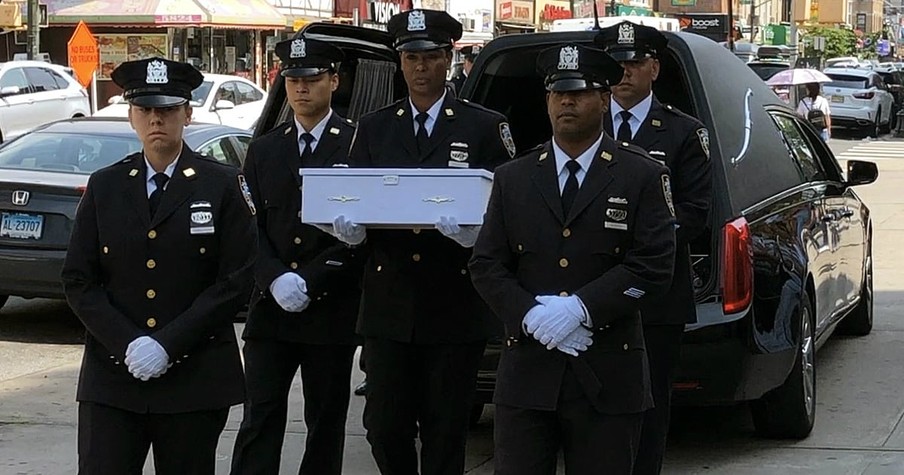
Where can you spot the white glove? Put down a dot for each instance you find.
(576, 341)
(348, 232)
(290, 292)
(146, 358)
(563, 316)
(465, 236)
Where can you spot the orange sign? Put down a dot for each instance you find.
(83, 53)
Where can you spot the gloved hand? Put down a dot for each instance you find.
(146, 359)
(465, 236)
(533, 318)
(290, 292)
(563, 316)
(578, 340)
(348, 232)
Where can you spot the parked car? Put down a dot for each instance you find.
(33, 93)
(846, 62)
(769, 61)
(787, 256)
(859, 99)
(42, 177)
(220, 99)
(894, 80)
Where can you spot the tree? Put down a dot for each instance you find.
(839, 42)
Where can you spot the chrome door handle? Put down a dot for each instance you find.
(847, 213)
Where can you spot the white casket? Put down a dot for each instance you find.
(394, 197)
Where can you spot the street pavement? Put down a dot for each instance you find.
(859, 397)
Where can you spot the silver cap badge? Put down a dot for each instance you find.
(157, 73)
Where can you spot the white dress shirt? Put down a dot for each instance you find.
(432, 114)
(638, 114)
(584, 160)
(317, 132)
(151, 172)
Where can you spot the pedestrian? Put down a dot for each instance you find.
(815, 109)
(158, 266)
(307, 287)
(578, 233)
(424, 325)
(682, 143)
(468, 54)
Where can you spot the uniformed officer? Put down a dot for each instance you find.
(159, 264)
(578, 233)
(305, 304)
(682, 143)
(468, 54)
(424, 325)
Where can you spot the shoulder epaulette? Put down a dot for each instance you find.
(676, 111)
(638, 151)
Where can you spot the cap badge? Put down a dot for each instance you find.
(626, 34)
(157, 73)
(568, 58)
(417, 21)
(298, 49)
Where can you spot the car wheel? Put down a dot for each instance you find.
(789, 411)
(3, 299)
(476, 413)
(859, 321)
(872, 130)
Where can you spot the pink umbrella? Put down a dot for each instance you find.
(793, 77)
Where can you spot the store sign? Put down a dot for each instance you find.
(381, 11)
(515, 11)
(684, 3)
(714, 27)
(551, 10)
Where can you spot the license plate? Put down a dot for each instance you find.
(21, 226)
(837, 98)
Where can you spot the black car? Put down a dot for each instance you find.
(42, 176)
(787, 256)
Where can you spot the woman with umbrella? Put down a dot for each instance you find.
(814, 107)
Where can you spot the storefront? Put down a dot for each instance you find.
(514, 16)
(372, 13)
(548, 11)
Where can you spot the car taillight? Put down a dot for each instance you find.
(864, 95)
(81, 189)
(737, 267)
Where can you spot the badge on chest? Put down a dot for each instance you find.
(201, 218)
(458, 155)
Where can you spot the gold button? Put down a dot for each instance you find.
(566, 232)
(152, 234)
(297, 240)
(416, 258)
(563, 294)
(106, 250)
(151, 294)
(626, 346)
(152, 322)
(202, 250)
(325, 294)
(464, 272)
(563, 262)
(294, 265)
(151, 264)
(379, 268)
(617, 250)
(520, 248)
(508, 342)
(416, 231)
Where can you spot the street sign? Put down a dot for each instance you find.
(83, 54)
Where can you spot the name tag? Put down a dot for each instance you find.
(619, 226)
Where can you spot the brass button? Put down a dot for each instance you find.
(416, 258)
(416, 231)
(617, 250)
(566, 232)
(151, 264)
(294, 265)
(508, 342)
(202, 250)
(152, 322)
(563, 294)
(520, 248)
(297, 240)
(151, 294)
(152, 234)
(464, 272)
(563, 262)
(625, 347)
(106, 250)
(379, 268)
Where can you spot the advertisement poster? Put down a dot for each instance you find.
(117, 49)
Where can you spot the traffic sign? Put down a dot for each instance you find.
(83, 54)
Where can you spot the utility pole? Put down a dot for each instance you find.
(753, 21)
(731, 25)
(33, 44)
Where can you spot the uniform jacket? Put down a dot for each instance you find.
(682, 142)
(614, 250)
(459, 82)
(180, 278)
(416, 283)
(330, 269)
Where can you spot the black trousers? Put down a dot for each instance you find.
(270, 367)
(424, 390)
(112, 440)
(663, 350)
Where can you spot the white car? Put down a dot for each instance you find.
(859, 98)
(220, 99)
(33, 93)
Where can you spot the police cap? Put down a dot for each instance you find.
(156, 82)
(628, 41)
(423, 30)
(572, 67)
(470, 52)
(302, 57)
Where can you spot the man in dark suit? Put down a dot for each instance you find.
(305, 304)
(424, 325)
(682, 143)
(468, 54)
(159, 264)
(578, 233)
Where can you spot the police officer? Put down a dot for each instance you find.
(159, 264)
(304, 308)
(682, 143)
(468, 54)
(578, 233)
(424, 325)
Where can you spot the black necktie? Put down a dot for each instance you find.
(160, 180)
(624, 130)
(571, 185)
(308, 152)
(423, 140)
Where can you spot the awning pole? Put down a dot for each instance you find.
(94, 92)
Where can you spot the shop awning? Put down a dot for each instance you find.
(257, 14)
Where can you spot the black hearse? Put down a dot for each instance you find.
(787, 258)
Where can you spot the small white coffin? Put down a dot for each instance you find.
(394, 197)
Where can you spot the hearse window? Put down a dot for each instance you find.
(800, 149)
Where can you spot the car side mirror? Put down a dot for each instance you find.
(9, 91)
(861, 173)
(223, 104)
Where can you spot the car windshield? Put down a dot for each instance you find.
(199, 95)
(848, 82)
(69, 153)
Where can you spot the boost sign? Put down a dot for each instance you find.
(714, 27)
